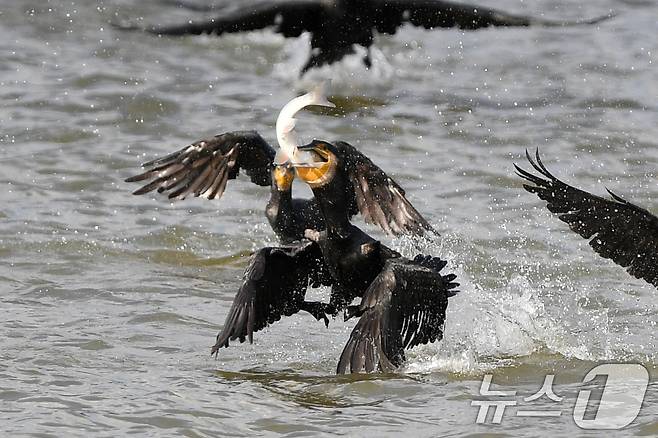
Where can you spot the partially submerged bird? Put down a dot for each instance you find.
(337, 25)
(203, 169)
(618, 230)
(403, 301)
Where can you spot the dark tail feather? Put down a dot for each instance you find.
(437, 264)
(428, 261)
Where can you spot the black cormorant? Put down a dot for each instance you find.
(337, 25)
(403, 301)
(619, 230)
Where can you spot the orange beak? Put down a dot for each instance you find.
(283, 176)
(320, 171)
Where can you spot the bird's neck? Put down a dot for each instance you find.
(333, 203)
(279, 207)
(281, 196)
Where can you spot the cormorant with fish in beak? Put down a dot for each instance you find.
(336, 26)
(403, 302)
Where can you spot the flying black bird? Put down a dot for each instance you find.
(617, 229)
(403, 301)
(337, 25)
(204, 168)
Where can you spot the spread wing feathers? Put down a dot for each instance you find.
(404, 306)
(433, 13)
(203, 168)
(288, 18)
(619, 230)
(274, 285)
(378, 197)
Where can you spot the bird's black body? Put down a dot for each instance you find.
(619, 230)
(336, 26)
(289, 217)
(352, 257)
(403, 302)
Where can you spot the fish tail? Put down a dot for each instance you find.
(318, 95)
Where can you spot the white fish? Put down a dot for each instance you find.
(285, 123)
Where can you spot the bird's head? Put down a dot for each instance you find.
(283, 174)
(319, 165)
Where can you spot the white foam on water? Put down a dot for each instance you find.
(491, 327)
(346, 75)
(289, 55)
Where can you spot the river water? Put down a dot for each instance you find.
(110, 302)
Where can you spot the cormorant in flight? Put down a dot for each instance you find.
(617, 229)
(337, 25)
(204, 168)
(403, 301)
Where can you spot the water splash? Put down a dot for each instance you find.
(346, 76)
(496, 326)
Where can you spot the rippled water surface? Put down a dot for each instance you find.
(110, 302)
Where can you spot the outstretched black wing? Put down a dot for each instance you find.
(274, 285)
(204, 167)
(378, 197)
(619, 230)
(289, 18)
(390, 14)
(404, 306)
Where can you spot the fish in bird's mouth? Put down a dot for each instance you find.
(286, 135)
(320, 165)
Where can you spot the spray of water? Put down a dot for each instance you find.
(489, 326)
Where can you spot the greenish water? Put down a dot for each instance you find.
(111, 301)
